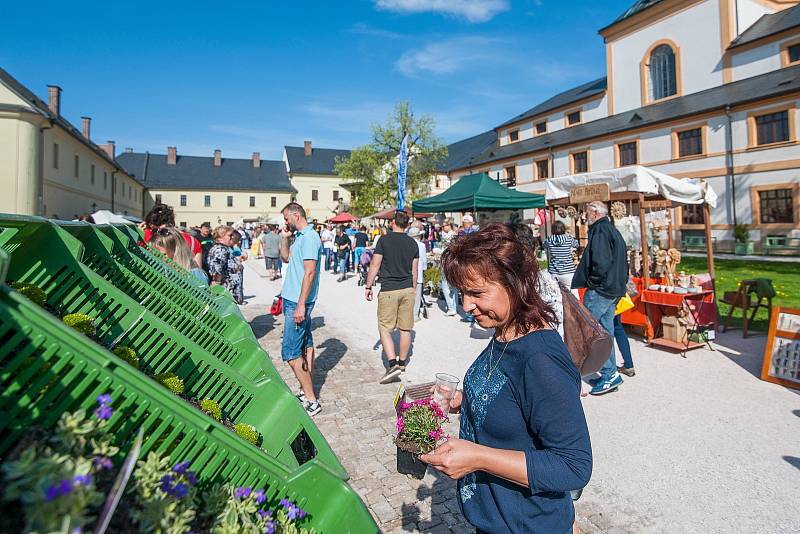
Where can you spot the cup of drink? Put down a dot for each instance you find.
(444, 390)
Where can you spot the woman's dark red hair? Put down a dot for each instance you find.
(495, 254)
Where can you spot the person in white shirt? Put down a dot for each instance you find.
(416, 233)
(327, 236)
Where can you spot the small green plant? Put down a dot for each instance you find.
(171, 382)
(127, 354)
(211, 407)
(33, 292)
(741, 233)
(80, 322)
(247, 432)
(419, 426)
(164, 497)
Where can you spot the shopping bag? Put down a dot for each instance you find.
(624, 304)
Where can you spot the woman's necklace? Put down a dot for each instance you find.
(491, 356)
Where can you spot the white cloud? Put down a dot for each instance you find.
(362, 28)
(447, 56)
(471, 10)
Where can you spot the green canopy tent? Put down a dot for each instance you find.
(478, 192)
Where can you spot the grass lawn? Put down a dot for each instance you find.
(785, 279)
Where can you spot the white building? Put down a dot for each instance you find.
(693, 88)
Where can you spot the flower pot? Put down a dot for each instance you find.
(410, 464)
(742, 249)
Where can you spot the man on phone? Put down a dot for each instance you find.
(299, 294)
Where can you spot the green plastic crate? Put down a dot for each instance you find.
(289, 434)
(46, 369)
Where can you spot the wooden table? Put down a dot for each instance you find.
(657, 303)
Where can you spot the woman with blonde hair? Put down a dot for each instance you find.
(171, 243)
(220, 258)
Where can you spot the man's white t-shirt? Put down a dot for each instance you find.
(423, 260)
(327, 238)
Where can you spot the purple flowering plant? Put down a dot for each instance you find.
(419, 426)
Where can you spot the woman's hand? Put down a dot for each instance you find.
(455, 458)
(455, 402)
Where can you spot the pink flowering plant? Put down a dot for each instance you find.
(419, 426)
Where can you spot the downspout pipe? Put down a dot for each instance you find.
(113, 189)
(40, 179)
(729, 161)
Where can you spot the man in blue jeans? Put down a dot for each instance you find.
(603, 271)
(299, 294)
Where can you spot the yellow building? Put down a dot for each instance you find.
(49, 167)
(312, 172)
(212, 189)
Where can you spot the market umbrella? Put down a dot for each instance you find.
(343, 217)
(108, 217)
(388, 214)
(478, 192)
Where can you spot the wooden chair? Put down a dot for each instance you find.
(742, 299)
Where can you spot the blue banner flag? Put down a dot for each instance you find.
(401, 174)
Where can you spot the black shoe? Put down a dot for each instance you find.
(391, 374)
(402, 366)
(627, 371)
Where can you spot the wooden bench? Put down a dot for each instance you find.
(781, 244)
(697, 242)
(744, 300)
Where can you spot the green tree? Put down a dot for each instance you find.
(372, 168)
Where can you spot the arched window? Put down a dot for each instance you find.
(663, 81)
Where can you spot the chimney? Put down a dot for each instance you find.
(256, 160)
(128, 150)
(54, 99)
(87, 123)
(172, 155)
(307, 148)
(109, 149)
(217, 158)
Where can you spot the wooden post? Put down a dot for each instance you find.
(709, 242)
(645, 251)
(670, 241)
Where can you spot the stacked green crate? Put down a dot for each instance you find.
(46, 369)
(289, 434)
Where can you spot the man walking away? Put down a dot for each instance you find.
(299, 295)
(271, 247)
(362, 241)
(603, 271)
(342, 243)
(397, 258)
(416, 235)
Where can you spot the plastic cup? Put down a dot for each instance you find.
(444, 390)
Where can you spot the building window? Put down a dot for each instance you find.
(513, 136)
(91, 173)
(580, 162)
(627, 154)
(692, 214)
(511, 176)
(574, 118)
(541, 127)
(772, 128)
(207, 201)
(663, 78)
(252, 202)
(335, 195)
(230, 201)
(105, 179)
(183, 200)
(158, 198)
(776, 206)
(690, 142)
(182, 224)
(130, 191)
(542, 169)
(55, 155)
(793, 53)
(77, 170)
(273, 202)
(314, 195)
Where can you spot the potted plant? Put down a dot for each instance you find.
(741, 234)
(419, 429)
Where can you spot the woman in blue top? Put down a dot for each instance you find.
(523, 441)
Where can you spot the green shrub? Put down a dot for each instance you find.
(247, 432)
(127, 354)
(80, 322)
(171, 382)
(211, 407)
(33, 292)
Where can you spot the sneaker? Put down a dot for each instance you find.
(301, 396)
(594, 381)
(391, 374)
(313, 408)
(607, 386)
(402, 366)
(627, 371)
(450, 313)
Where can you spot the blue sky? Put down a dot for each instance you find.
(256, 75)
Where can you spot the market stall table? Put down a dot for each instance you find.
(657, 302)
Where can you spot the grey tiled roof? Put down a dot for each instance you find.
(460, 153)
(41, 107)
(595, 87)
(767, 85)
(638, 6)
(321, 160)
(769, 25)
(194, 172)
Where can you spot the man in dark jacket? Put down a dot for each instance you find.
(603, 271)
